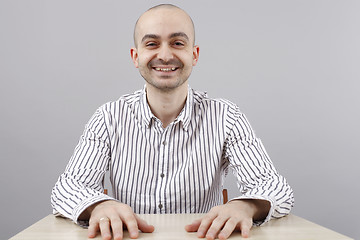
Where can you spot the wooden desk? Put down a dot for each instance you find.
(171, 226)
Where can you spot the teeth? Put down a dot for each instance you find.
(165, 69)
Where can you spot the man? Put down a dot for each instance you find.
(167, 148)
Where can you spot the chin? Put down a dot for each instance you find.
(166, 85)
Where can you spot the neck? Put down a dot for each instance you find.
(166, 105)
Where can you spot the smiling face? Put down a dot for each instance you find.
(165, 51)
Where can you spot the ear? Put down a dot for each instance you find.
(196, 50)
(134, 56)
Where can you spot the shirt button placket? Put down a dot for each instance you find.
(163, 150)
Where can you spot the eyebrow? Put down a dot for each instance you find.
(154, 36)
(151, 36)
(179, 34)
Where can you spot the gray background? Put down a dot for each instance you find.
(291, 66)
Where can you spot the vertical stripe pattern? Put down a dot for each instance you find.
(177, 169)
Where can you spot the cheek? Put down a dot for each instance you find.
(140, 62)
(144, 60)
(190, 61)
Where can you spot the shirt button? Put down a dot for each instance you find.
(160, 205)
(162, 175)
(164, 143)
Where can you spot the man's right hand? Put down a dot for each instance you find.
(112, 215)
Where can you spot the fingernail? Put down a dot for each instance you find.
(245, 234)
(134, 233)
(209, 236)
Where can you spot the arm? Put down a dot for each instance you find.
(264, 193)
(78, 193)
(81, 185)
(256, 175)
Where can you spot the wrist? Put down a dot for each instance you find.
(85, 215)
(257, 208)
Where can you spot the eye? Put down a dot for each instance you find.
(179, 44)
(151, 44)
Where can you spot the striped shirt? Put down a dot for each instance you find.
(177, 169)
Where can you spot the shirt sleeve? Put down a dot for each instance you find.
(256, 175)
(81, 185)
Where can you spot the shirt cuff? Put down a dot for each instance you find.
(85, 204)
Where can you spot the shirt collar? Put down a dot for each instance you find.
(184, 116)
(186, 113)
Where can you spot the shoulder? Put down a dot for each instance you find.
(124, 103)
(207, 102)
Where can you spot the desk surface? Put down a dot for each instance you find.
(171, 226)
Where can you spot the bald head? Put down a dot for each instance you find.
(162, 11)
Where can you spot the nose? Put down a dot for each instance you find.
(165, 53)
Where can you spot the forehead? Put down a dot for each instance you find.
(164, 22)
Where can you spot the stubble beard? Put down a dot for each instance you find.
(162, 83)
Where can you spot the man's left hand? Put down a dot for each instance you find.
(222, 220)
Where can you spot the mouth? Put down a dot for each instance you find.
(165, 69)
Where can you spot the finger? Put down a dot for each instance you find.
(205, 224)
(144, 226)
(229, 227)
(215, 227)
(194, 226)
(93, 228)
(104, 225)
(117, 228)
(131, 224)
(245, 227)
